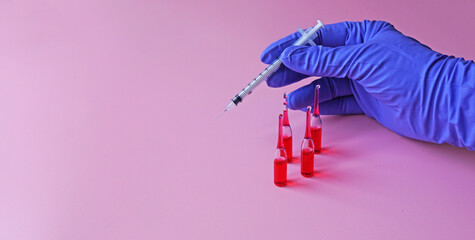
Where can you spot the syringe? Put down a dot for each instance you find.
(307, 37)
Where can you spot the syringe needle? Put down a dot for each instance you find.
(230, 106)
(220, 114)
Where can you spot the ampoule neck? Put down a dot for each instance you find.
(286, 118)
(308, 133)
(316, 111)
(280, 141)
(316, 108)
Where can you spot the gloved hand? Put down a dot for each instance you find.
(369, 67)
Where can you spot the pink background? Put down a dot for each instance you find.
(107, 132)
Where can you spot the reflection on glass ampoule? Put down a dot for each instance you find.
(307, 152)
(280, 160)
(287, 131)
(316, 123)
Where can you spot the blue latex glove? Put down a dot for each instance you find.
(371, 68)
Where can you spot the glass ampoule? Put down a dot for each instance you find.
(307, 152)
(287, 132)
(280, 159)
(316, 123)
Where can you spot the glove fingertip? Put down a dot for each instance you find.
(272, 84)
(265, 56)
(290, 101)
(293, 102)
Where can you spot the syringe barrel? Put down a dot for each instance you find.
(259, 79)
(273, 67)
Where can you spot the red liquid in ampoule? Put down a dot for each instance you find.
(307, 164)
(317, 138)
(280, 171)
(288, 147)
